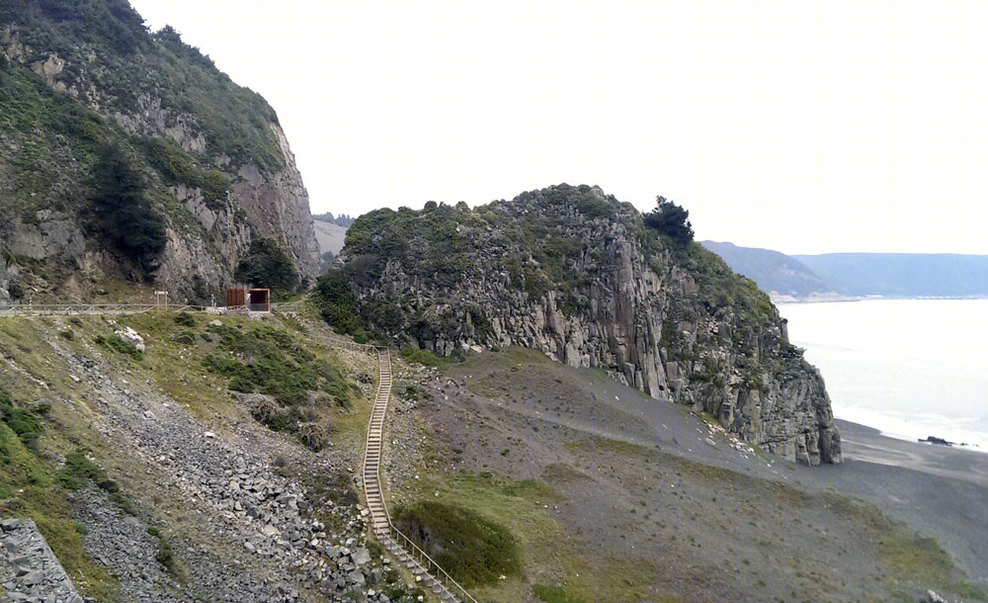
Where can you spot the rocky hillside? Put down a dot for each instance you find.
(128, 156)
(210, 461)
(577, 274)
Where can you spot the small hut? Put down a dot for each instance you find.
(253, 300)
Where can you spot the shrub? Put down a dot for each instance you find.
(114, 343)
(24, 423)
(79, 470)
(414, 355)
(185, 338)
(185, 319)
(338, 305)
(315, 436)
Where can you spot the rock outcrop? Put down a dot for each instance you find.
(574, 273)
(118, 84)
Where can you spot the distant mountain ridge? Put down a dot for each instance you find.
(902, 274)
(843, 275)
(776, 273)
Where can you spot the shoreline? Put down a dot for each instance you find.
(917, 429)
(837, 298)
(869, 444)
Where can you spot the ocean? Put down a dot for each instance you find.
(911, 368)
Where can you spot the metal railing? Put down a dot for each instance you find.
(418, 554)
(118, 308)
(128, 308)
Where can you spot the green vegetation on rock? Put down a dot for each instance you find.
(123, 216)
(178, 166)
(139, 66)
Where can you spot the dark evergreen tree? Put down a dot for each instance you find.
(267, 265)
(671, 220)
(124, 219)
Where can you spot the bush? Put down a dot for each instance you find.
(79, 470)
(414, 355)
(24, 423)
(113, 342)
(338, 305)
(315, 436)
(185, 319)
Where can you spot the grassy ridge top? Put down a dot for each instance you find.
(555, 239)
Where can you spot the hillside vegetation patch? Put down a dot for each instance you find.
(473, 549)
(28, 488)
(268, 360)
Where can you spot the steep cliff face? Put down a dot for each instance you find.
(574, 273)
(79, 77)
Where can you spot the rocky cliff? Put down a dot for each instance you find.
(213, 161)
(575, 273)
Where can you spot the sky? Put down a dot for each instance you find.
(795, 126)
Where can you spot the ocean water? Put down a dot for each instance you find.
(909, 367)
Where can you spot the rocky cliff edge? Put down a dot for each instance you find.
(575, 273)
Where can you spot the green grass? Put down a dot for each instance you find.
(553, 594)
(909, 556)
(311, 395)
(413, 355)
(613, 578)
(473, 549)
(516, 507)
(29, 490)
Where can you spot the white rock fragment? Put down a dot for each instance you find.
(130, 336)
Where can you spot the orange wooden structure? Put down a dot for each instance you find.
(255, 300)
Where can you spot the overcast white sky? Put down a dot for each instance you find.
(806, 128)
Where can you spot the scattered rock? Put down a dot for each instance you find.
(29, 571)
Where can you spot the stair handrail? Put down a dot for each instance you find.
(449, 582)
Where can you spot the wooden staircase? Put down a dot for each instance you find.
(426, 571)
